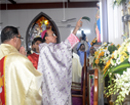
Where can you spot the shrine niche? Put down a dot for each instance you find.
(40, 23)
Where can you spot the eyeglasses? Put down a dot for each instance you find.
(54, 34)
(19, 37)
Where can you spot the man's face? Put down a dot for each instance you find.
(92, 50)
(33, 47)
(82, 48)
(37, 45)
(18, 41)
(51, 37)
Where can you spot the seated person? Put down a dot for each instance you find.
(81, 50)
(35, 47)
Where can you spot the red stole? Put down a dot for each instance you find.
(2, 84)
(34, 59)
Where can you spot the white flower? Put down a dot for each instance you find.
(128, 70)
(118, 76)
(128, 48)
(118, 61)
(112, 62)
(115, 54)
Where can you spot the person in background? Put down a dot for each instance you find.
(76, 68)
(81, 50)
(21, 83)
(22, 50)
(55, 62)
(34, 57)
(33, 46)
(91, 56)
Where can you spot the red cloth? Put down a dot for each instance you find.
(43, 33)
(2, 83)
(34, 59)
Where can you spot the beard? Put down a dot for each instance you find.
(82, 49)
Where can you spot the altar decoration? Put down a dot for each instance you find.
(94, 41)
(118, 70)
(103, 54)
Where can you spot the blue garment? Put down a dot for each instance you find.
(81, 53)
(98, 24)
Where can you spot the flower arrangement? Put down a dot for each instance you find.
(117, 58)
(103, 54)
(118, 70)
(120, 86)
(94, 41)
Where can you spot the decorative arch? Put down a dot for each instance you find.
(40, 23)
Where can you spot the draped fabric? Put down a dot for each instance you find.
(55, 62)
(22, 83)
(34, 59)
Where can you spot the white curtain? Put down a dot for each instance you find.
(115, 24)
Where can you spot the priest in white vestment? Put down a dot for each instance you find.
(76, 68)
(20, 82)
(55, 62)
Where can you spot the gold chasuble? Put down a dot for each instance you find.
(20, 82)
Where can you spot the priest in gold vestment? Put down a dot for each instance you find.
(20, 82)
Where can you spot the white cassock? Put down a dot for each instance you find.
(55, 62)
(76, 69)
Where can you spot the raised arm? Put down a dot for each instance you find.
(78, 25)
(89, 45)
(73, 38)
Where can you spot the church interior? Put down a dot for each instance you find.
(103, 76)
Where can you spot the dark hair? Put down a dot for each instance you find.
(28, 52)
(43, 40)
(36, 39)
(33, 43)
(81, 45)
(8, 33)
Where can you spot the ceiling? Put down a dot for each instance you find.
(42, 1)
(46, 4)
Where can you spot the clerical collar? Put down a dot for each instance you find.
(35, 52)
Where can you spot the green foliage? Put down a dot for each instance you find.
(118, 2)
(86, 18)
(121, 67)
(112, 48)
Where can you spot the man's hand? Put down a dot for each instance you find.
(23, 51)
(78, 25)
(86, 39)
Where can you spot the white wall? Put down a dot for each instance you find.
(22, 19)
